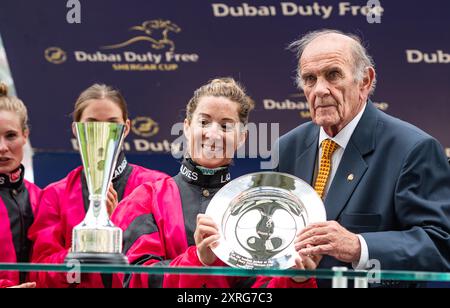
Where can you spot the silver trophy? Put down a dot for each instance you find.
(259, 216)
(96, 239)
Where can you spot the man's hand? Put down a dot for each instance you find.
(27, 285)
(329, 238)
(205, 235)
(111, 203)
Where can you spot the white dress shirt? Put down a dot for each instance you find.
(342, 139)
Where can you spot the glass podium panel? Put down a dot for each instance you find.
(336, 273)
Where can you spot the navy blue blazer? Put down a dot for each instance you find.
(399, 198)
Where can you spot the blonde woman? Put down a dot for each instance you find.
(164, 222)
(18, 197)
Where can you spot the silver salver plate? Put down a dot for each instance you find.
(259, 215)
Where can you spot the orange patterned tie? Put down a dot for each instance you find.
(328, 148)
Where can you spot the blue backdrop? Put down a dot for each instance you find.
(158, 51)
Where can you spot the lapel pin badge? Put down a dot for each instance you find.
(350, 177)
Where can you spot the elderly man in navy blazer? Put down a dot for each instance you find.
(385, 183)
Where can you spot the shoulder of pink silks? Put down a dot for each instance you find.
(141, 175)
(190, 258)
(49, 231)
(5, 283)
(8, 252)
(152, 220)
(158, 206)
(34, 193)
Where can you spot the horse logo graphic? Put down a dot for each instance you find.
(156, 32)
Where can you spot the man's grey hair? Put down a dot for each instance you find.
(361, 59)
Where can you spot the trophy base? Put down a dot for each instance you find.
(97, 258)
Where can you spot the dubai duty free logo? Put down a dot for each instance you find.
(55, 55)
(144, 126)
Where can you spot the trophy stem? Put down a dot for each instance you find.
(97, 212)
(96, 239)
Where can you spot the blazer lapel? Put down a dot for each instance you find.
(353, 165)
(350, 171)
(306, 162)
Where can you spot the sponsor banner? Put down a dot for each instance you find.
(157, 52)
(155, 33)
(417, 56)
(295, 9)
